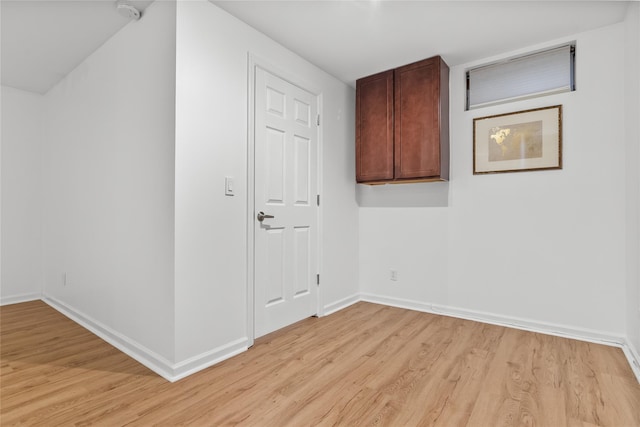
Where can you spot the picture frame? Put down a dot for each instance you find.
(527, 140)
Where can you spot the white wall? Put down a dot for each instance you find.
(632, 138)
(21, 195)
(164, 103)
(211, 143)
(139, 241)
(548, 246)
(109, 184)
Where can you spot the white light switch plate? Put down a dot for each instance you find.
(229, 186)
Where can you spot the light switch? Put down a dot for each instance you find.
(228, 186)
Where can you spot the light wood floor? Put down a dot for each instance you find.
(365, 365)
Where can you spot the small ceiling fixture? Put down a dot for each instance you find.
(127, 10)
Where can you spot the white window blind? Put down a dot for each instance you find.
(540, 73)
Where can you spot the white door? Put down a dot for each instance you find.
(286, 182)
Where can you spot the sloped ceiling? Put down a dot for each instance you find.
(42, 41)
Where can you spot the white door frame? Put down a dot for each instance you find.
(253, 62)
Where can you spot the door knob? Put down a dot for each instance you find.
(262, 216)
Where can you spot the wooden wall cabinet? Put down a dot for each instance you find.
(402, 124)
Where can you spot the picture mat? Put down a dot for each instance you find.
(551, 144)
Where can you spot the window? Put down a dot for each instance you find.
(536, 74)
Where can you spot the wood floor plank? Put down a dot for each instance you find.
(365, 365)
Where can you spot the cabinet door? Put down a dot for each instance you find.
(374, 127)
(417, 119)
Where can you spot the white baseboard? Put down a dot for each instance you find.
(341, 304)
(157, 363)
(202, 361)
(174, 372)
(148, 358)
(597, 337)
(581, 334)
(16, 299)
(633, 357)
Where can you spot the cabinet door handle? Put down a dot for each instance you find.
(262, 216)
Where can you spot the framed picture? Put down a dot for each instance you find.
(521, 141)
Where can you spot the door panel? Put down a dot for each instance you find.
(274, 280)
(286, 157)
(274, 158)
(302, 158)
(275, 102)
(302, 261)
(302, 112)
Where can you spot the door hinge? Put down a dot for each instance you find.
(318, 119)
(318, 200)
(318, 279)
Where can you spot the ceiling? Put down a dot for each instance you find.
(352, 39)
(42, 41)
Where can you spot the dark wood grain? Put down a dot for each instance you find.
(417, 119)
(402, 124)
(374, 127)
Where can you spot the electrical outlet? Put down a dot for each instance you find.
(393, 275)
